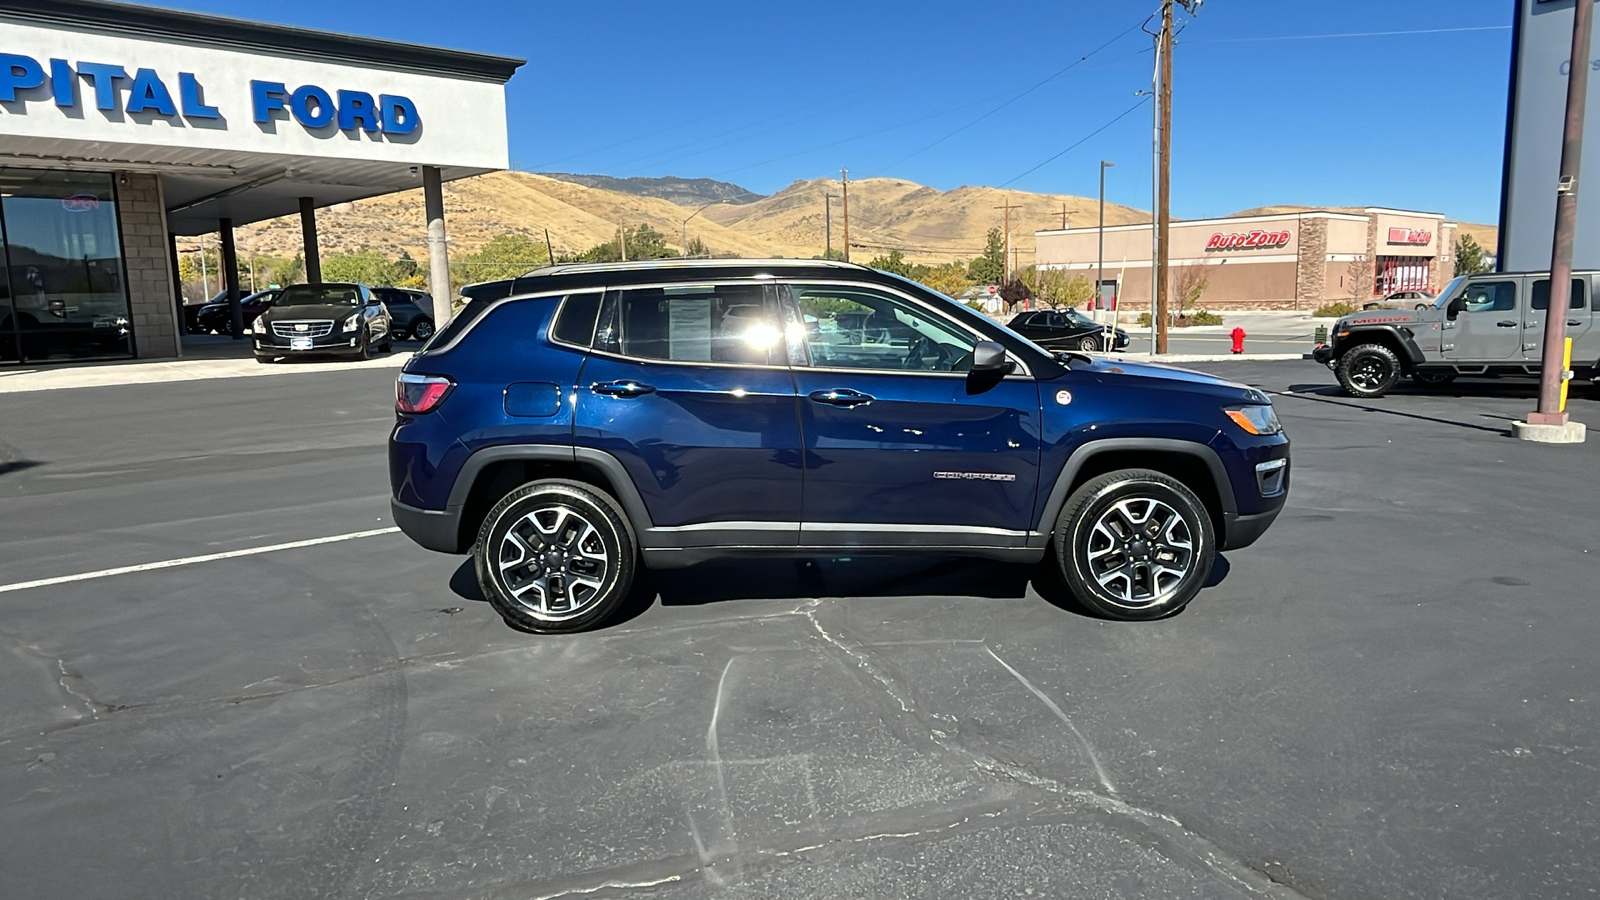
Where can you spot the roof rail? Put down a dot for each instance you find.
(680, 263)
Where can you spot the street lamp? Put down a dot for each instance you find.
(685, 244)
(1100, 264)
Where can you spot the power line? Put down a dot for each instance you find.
(1074, 64)
(1349, 34)
(1074, 145)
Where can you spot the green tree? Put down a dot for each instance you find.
(1470, 258)
(697, 249)
(990, 268)
(505, 256)
(367, 267)
(949, 279)
(831, 254)
(895, 264)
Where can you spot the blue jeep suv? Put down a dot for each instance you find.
(579, 421)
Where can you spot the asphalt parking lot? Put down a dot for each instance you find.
(1393, 694)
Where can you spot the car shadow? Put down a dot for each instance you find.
(725, 580)
(1336, 397)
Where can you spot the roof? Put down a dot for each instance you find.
(126, 19)
(587, 276)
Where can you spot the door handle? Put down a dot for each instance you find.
(622, 388)
(1505, 324)
(842, 397)
(1572, 323)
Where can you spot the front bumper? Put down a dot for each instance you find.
(1242, 531)
(1323, 353)
(435, 529)
(271, 345)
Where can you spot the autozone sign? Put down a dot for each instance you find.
(1412, 236)
(1253, 239)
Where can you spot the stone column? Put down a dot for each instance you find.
(438, 246)
(1311, 265)
(308, 237)
(147, 266)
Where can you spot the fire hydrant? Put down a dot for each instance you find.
(1238, 339)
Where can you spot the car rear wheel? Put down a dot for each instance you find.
(1089, 344)
(422, 329)
(1134, 544)
(556, 556)
(1368, 371)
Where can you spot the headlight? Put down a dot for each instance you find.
(352, 323)
(259, 326)
(1259, 420)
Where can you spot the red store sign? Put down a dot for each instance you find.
(1252, 240)
(1412, 236)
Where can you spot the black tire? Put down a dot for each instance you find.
(365, 350)
(588, 542)
(1110, 561)
(422, 329)
(387, 347)
(1089, 344)
(1423, 306)
(1368, 371)
(1425, 379)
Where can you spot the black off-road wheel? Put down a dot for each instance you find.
(556, 556)
(1134, 544)
(1368, 371)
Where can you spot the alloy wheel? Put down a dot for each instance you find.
(1139, 551)
(1370, 373)
(554, 563)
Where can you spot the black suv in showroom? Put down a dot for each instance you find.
(341, 319)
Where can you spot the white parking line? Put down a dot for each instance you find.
(192, 560)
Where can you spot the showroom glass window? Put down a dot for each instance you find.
(63, 292)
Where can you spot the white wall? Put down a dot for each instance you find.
(463, 121)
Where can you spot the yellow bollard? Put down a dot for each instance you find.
(1566, 374)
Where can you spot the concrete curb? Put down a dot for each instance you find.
(50, 379)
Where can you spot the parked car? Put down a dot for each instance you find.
(577, 422)
(310, 319)
(1066, 329)
(412, 312)
(218, 318)
(1486, 324)
(191, 312)
(1403, 300)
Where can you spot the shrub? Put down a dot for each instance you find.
(1202, 317)
(1335, 310)
(977, 305)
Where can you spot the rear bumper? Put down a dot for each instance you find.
(435, 529)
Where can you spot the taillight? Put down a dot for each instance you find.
(415, 394)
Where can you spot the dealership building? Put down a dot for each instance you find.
(1298, 260)
(123, 127)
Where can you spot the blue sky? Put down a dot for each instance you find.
(762, 94)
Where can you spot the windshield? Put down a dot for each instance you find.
(1449, 290)
(992, 323)
(319, 295)
(1078, 318)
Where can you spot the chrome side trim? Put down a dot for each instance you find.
(730, 526)
(898, 528)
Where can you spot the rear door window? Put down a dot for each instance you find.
(575, 321)
(1541, 294)
(706, 323)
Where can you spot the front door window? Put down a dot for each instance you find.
(62, 289)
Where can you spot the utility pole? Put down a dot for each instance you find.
(622, 241)
(1163, 178)
(1008, 207)
(549, 247)
(844, 181)
(827, 225)
(1063, 217)
(205, 278)
(1100, 257)
(1548, 423)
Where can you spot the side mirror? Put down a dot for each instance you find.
(989, 358)
(1456, 307)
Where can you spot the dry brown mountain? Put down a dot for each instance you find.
(926, 224)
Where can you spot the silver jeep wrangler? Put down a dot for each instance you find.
(1488, 324)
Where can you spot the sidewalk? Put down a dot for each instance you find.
(62, 376)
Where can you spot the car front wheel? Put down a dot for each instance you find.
(1134, 544)
(1368, 371)
(555, 556)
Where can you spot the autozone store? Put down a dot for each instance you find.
(122, 127)
(1285, 261)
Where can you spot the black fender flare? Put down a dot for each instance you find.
(1405, 342)
(621, 483)
(1057, 497)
